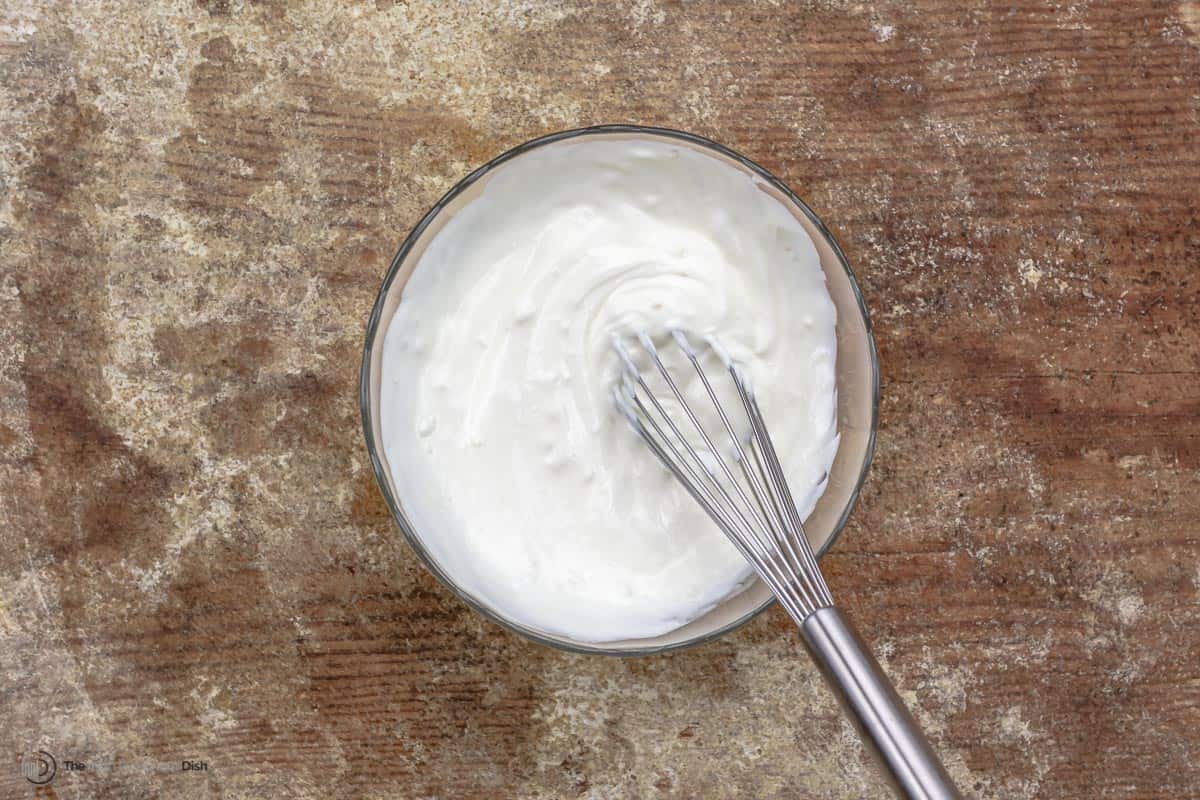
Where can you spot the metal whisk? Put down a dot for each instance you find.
(752, 504)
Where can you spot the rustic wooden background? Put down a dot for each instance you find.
(198, 201)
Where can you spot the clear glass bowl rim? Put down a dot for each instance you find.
(373, 323)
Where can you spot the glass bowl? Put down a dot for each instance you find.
(857, 388)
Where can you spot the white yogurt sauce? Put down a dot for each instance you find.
(498, 424)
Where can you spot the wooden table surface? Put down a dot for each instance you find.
(198, 202)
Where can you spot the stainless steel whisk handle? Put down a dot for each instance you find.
(882, 720)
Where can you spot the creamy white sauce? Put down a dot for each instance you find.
(498, 424)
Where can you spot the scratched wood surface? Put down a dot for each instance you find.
(198, 201)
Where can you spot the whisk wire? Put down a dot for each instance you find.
(763, 524)
(783, 494)
(775, 521)
(648, 344)
(661, 445)
(727, 515)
